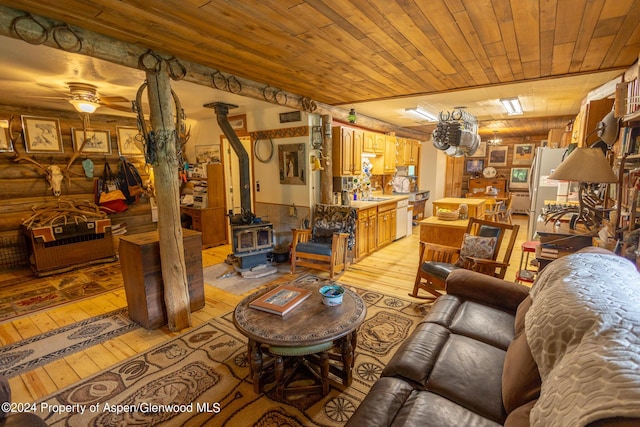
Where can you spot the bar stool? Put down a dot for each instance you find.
(524, 274)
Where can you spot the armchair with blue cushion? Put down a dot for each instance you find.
(325, 246)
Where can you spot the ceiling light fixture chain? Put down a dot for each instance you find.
(61, 33)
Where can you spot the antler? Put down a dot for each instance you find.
(67, 170)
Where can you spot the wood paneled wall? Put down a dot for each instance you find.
(23, 187)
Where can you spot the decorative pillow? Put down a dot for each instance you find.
(476, 246)
(324, 235)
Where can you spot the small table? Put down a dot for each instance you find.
(442, 232)
(310, 325)
(476, 206)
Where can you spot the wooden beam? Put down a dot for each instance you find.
(167, 184)
(126, 54)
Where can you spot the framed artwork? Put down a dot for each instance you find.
(292, 164)
(481, 151)
(208, 153)
(519, 178)
(129, 143)
(42, 135)
(473, 167)
(5, 141)
(98, 141)
(498, 155)
(238, 123)
(523, 154)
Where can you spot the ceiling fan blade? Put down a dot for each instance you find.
(119, 107)
(111, 99)
(64, 98)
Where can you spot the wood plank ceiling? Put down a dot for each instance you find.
(347, 51)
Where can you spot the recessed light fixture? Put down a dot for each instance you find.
(423, 114)
(512, 105)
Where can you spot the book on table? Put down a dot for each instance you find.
(280, 300)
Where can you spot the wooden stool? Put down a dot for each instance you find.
(289, 361)
(524, 274)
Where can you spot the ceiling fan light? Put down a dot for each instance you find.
(84, 106)
(512, 105)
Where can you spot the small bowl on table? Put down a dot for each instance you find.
(332, 295)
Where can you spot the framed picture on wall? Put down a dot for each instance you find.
(5, 141)
(481, 151)
(519, 178)
(473, 166)
(42, 135)
(129, 143)
(292, 164)
(98, 141)
(498, 155)
(238, 123)
(523, 154)
(208, 153)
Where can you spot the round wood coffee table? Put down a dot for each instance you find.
(309, 331)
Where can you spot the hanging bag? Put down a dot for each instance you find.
(130, 181)
(108, 194)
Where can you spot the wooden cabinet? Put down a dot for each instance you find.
(142, 276)
(479, 185)
(408, 151)
(453, 176)
(390, 154)
(347, 151)
(386, 224)
(211, 220)
(372, 143)
(366, 241)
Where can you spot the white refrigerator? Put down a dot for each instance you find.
(545, 161)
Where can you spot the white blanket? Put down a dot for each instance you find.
(584, 332)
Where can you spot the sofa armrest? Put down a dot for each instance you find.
(486, 289)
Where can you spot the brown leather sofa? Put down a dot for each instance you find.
(468, 363)
(15, 414)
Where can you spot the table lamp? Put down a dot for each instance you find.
(587, 166)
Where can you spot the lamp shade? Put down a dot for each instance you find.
(585, 165)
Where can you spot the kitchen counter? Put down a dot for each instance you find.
(365, 204)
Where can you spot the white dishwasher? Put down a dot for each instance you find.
(401, 218)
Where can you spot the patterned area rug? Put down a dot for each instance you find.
(38, 293)
(28, 354)
(202, 378)
(225, 277)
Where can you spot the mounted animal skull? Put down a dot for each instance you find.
(53, 173)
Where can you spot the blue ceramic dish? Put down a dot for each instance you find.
(332, 294)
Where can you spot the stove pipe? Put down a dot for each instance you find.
(222, 110)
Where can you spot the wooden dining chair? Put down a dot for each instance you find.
(482, 251)
(492, 211)
(504, 213)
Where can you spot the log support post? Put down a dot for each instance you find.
(167, 184)
(326, 175)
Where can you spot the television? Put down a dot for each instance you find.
(519, 179)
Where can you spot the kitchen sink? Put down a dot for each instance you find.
(375, 199)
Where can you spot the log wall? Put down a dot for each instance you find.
(22, 186)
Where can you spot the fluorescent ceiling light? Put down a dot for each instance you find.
(512, 105)
(4, 124)
(423, 114)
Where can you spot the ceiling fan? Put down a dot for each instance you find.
(84, 98)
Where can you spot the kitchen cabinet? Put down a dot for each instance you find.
(390, 154)
(386, 223)
(373, 143)
(347, 151)
(366, 241)
(408, 151)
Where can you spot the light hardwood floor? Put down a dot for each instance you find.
(390, 270)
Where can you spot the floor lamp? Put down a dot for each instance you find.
(589, 167)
